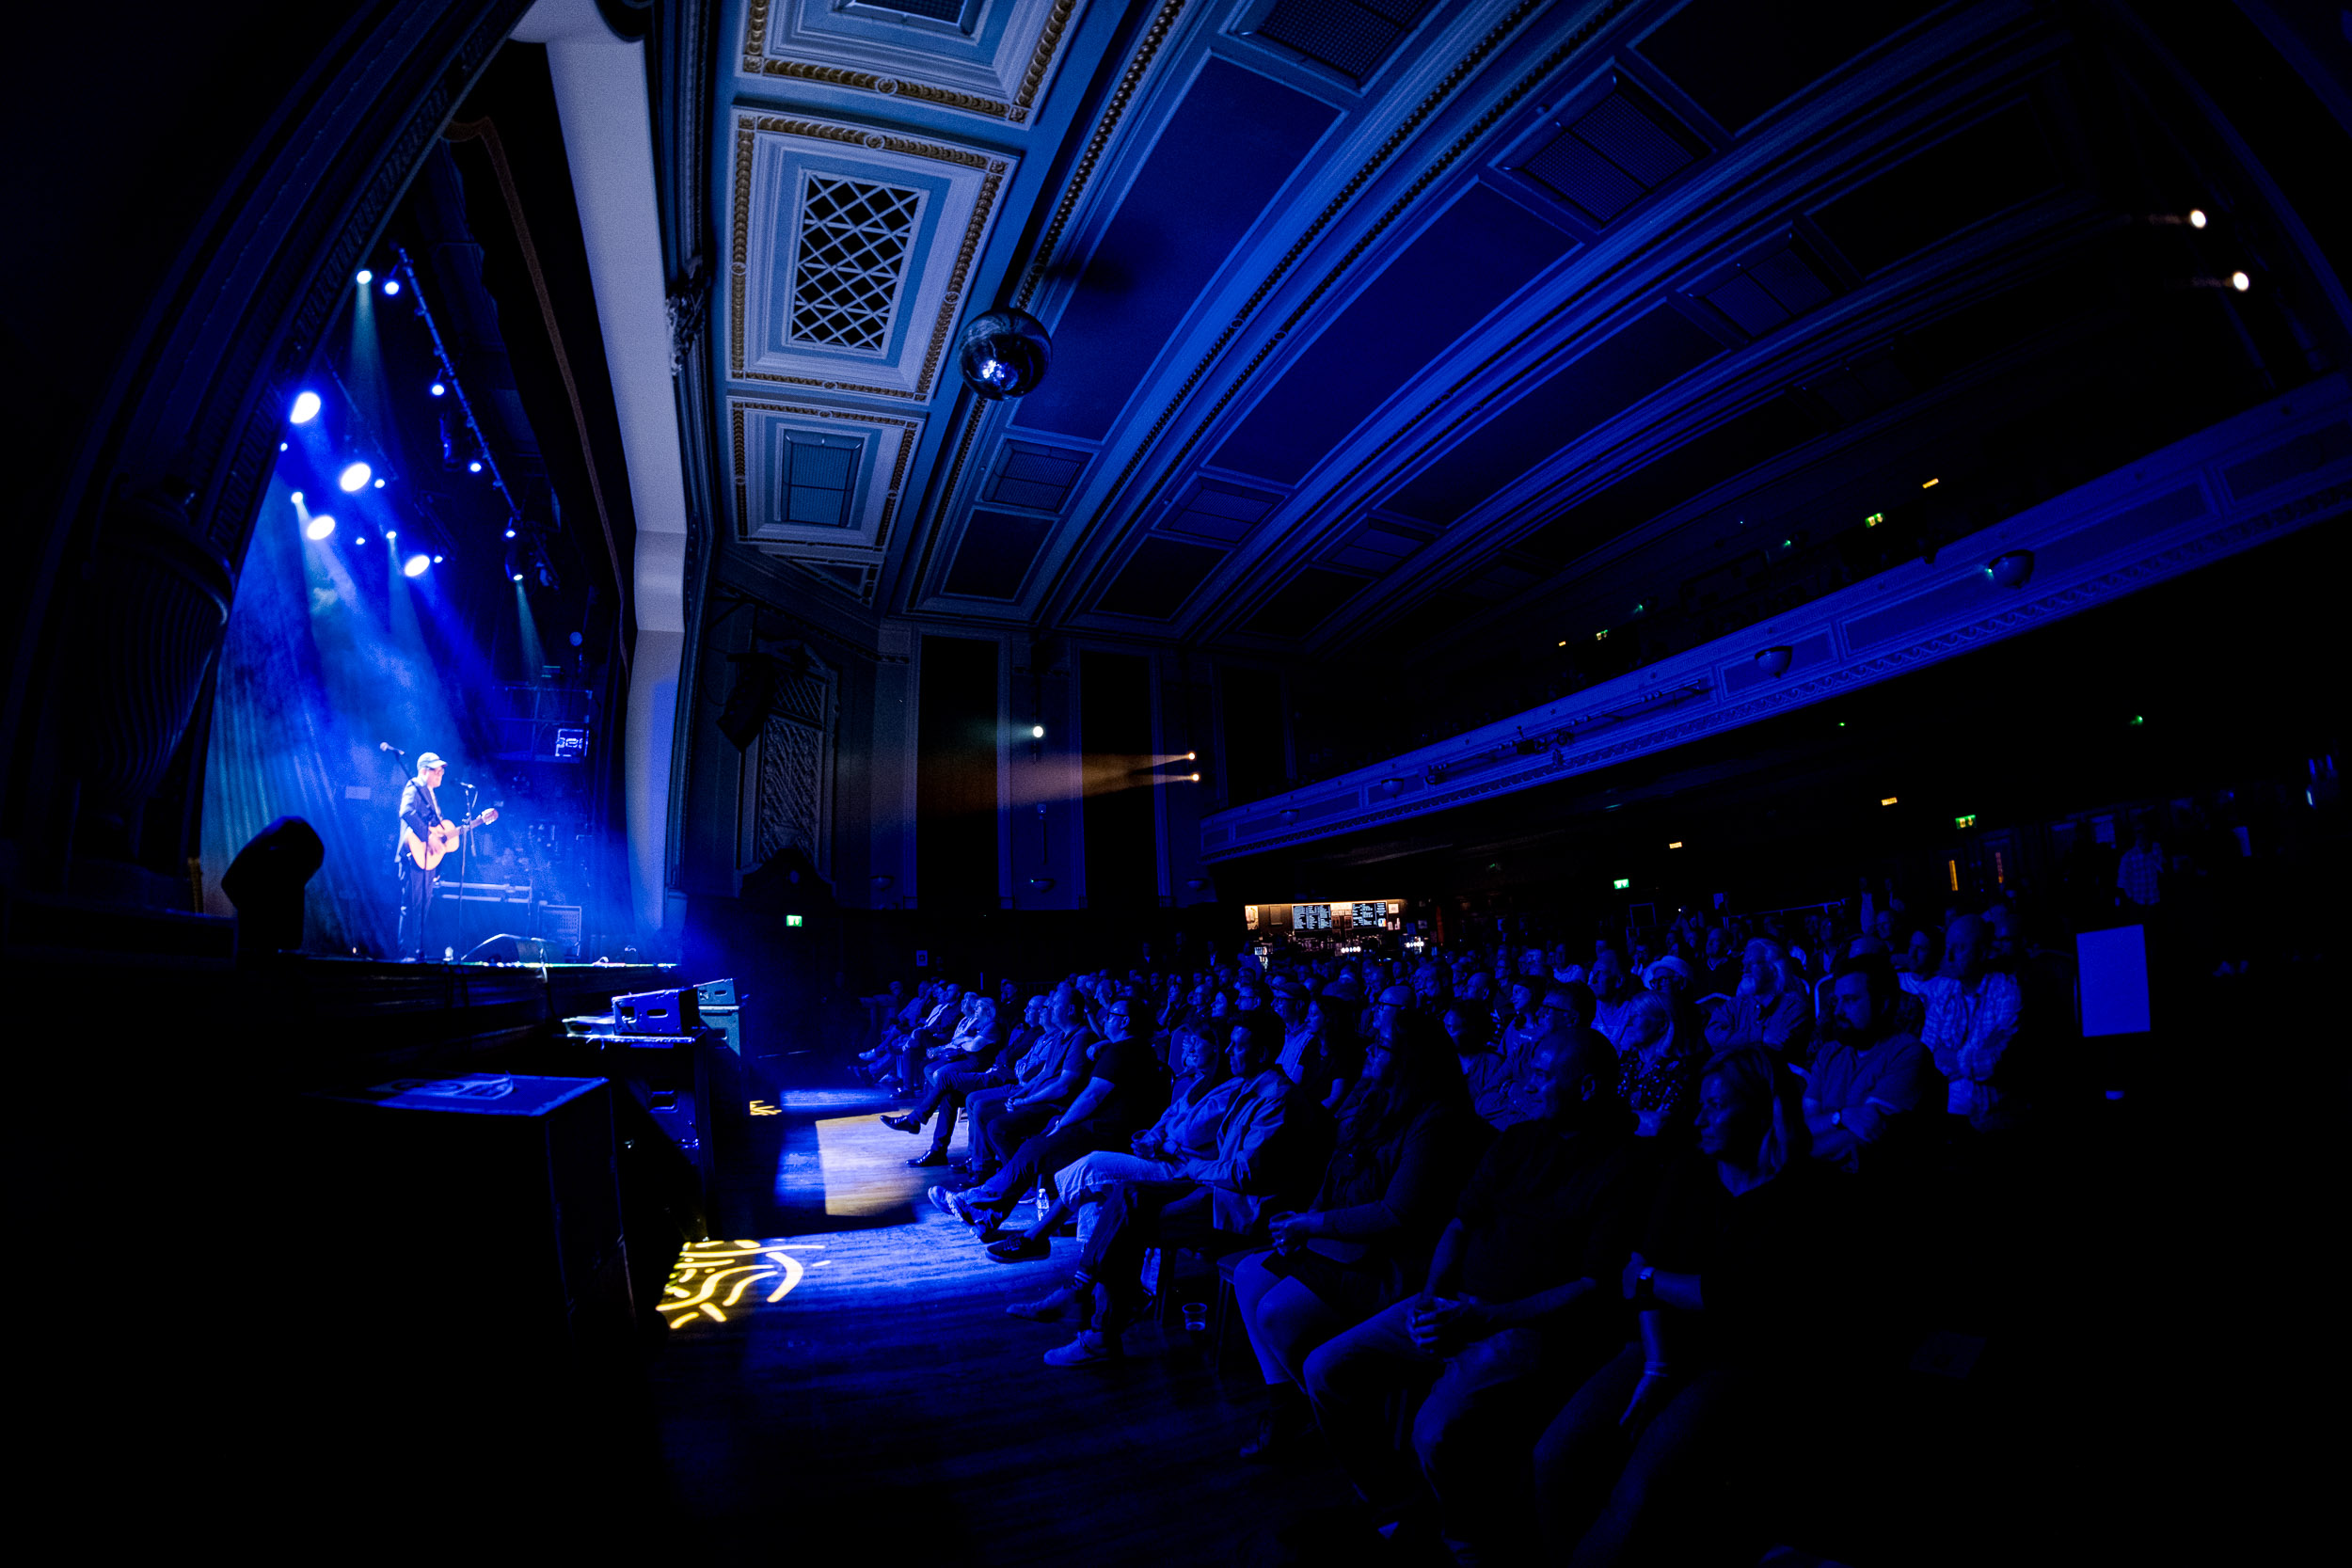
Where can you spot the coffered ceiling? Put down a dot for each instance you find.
(1389, 327)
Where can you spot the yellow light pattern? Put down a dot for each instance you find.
(706, 1269)
(761, 1108)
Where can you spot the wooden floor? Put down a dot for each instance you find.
(884, 1401)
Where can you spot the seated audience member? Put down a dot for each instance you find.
(1186, 1130)
(1568, 1007)
(1405, 1141)
(1512, 1311)
(964, 1064)
(1868, 1071)
(1485, 1070)
(1613, 991)
(1737, 1301)
(1658, 1065)
(1126, 1088)
(1299, 1034)
(1724, 967)
(999, 1120)
(945, 1021)
(1973, 1011)
(1257, 1144)
(1768, 1010)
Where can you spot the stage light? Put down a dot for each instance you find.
(366, 277)
(296, 498)
(475, 467)
(281, 446)
(2196, 217)
(379, 484)
(437, 390)
(361, 540)
(305, 409)
(417, 567)
(354, 477)
(1675, 844)
(1775, 661)
(1887, 800)
(1196, 778)
(392, 533)
(1192, 756)
(436, 560)
(320, 527)
(1037, 732)
(510, 533)
(1930, 484)
(517, 576)
(391, 285)
(1563, 643)
(578, 639)
(2239, 281)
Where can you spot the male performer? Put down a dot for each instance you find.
(420, 813)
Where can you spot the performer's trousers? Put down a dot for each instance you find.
(416, 901)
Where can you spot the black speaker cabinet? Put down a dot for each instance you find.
(659, 1012)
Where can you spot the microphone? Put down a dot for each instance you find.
(388, 746)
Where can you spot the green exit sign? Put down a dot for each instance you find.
(1622, 883)
(1968, 821)
(792, 920)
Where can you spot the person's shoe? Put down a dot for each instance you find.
(1047, 1309)
(1020, 1249)
(904, 1124)
(1087, 1348)
(951, 1204)
(930, 1156)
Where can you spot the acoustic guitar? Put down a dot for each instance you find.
(440, 838)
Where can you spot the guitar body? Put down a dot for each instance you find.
(440, 839)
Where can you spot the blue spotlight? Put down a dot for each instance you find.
(379, 484)
(577, 639)
(366, 277)
(361, 540)
(436, 560)
(320, 527)
(305, 409)
(438, 389)
(392, 533)
(510, 532)
(475, 467)
(391, 285)
(417, 567)
(354, 477)
(518, 576)
(296, 498)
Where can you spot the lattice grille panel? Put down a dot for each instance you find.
(851, 258)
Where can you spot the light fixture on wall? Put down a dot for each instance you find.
(2011, 568)
(1042, 884)
(1775, 661)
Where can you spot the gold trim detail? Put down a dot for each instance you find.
(738, 269)
(737, 407)
(758, 62)
(1114, 110)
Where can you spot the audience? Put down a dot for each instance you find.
(1549, 1255)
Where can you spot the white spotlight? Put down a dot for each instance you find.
(391, 285)
(305, 409)
(321, 526)
(366, 277)
(2196, 217)
(417, 565)
(296, 498)
(2239, 281)
(379, 484)
(475, 467)
(355, 478)
(1037, 732)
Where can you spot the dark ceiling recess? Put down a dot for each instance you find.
(1991, 166)
(1614, 154)
(1305, 602)
(1352, 37)
(1158, 578)
(993, 559)
(1034, 476)
(1218, 512)
(1737, 58)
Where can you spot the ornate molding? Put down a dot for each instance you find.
(688, 306)
(748, 129)
(1105, 124)
(758, 62)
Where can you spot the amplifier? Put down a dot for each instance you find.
(659, 1012)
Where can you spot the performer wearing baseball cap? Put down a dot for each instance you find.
(420, 824)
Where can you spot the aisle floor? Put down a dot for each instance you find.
(866, 1381)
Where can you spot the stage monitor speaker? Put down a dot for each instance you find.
(659, 1012)
(694, 1089)
(508, 948)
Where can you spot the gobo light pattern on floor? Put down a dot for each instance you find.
(714, 1278)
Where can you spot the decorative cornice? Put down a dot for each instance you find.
(688, 305)
(758, 62)
(739, 266)
(1105, 124)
